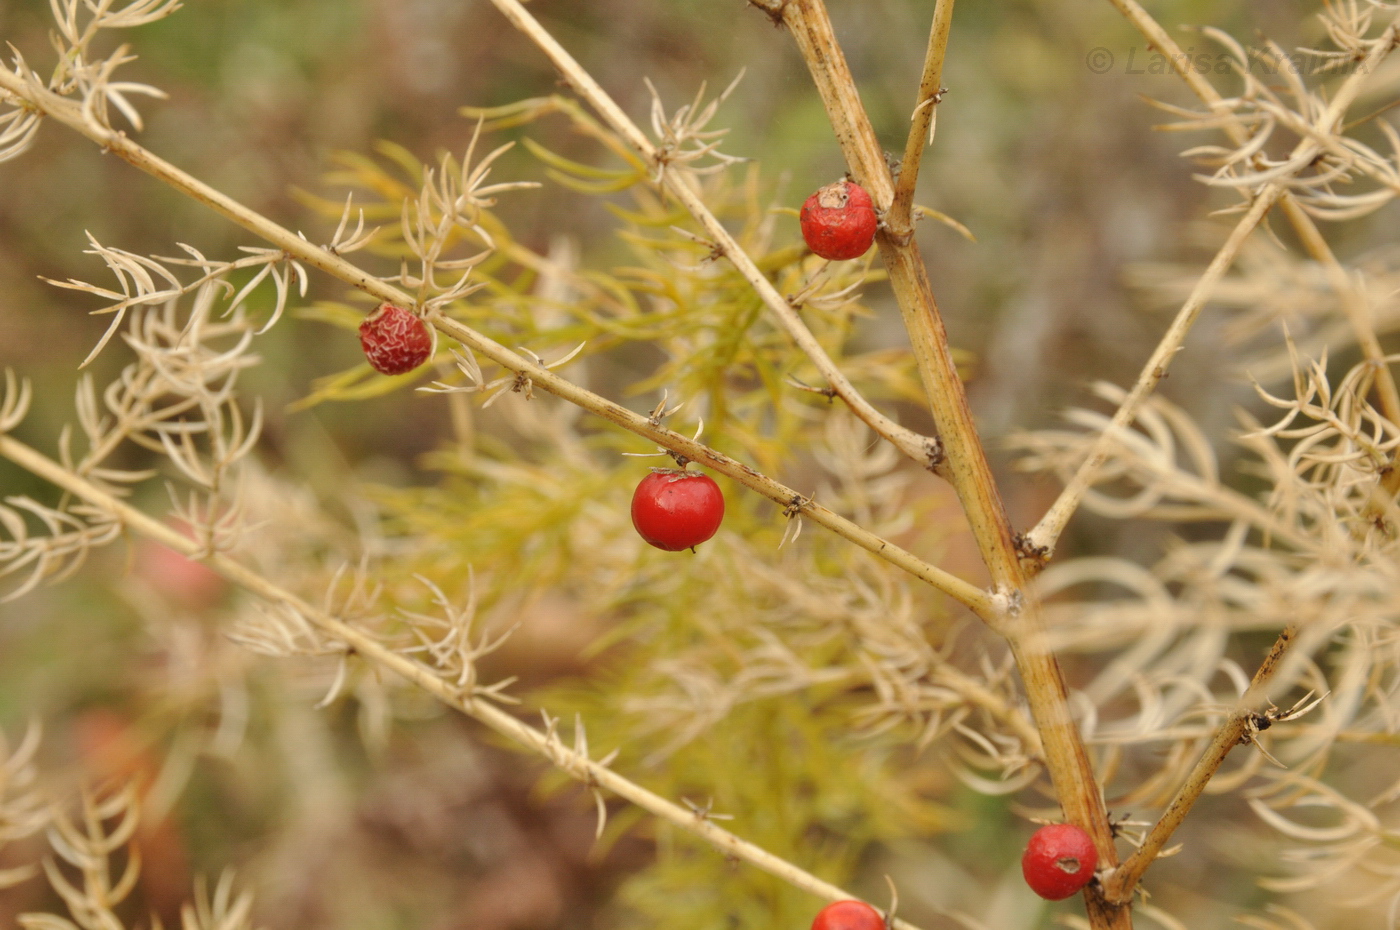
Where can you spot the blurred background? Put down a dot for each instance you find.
(1045, 154)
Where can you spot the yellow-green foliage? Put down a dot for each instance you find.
(740, 677)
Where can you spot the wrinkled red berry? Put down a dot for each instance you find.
(395, 340)
(1059, 860)
(676, 510)
(838, 221)
(848, 915)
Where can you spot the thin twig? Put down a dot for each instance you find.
(575, 764)
(978, 600)
(1353, 302)
(922, 449)
(1047, 532)
(1119, 885)
(1352, 299)
(967, 466)
(923, 122)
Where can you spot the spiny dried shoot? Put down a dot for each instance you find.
(449, 204)
(80, 71)
(89, 844)
(682, 139)
(24, 808)
(145, 281)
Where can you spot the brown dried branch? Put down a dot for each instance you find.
(1354, 300)
(968, 470)
(923, 121)
(677, 183)
(1119, 885)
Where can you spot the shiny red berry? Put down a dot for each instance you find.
(395, 340)
(676, 510)
(1059, 860)
(838, 221)
(848, 915)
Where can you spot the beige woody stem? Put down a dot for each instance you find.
(1119, 885)
(921, 124)
(967, 466)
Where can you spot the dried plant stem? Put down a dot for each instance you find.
(71, 114)
(921, 449)
(968, 469)
(966, 593)
(576, 764)
(922, 123)
(1353, 301)
(1071, 771)
(966, 464)
(1357, 309)
(1158, 38)
(1047, 532)
(1119, 885)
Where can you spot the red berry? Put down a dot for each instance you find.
(676, 510)
(848, 915)
(1059, 860)
(395, 340)
(838, 221)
